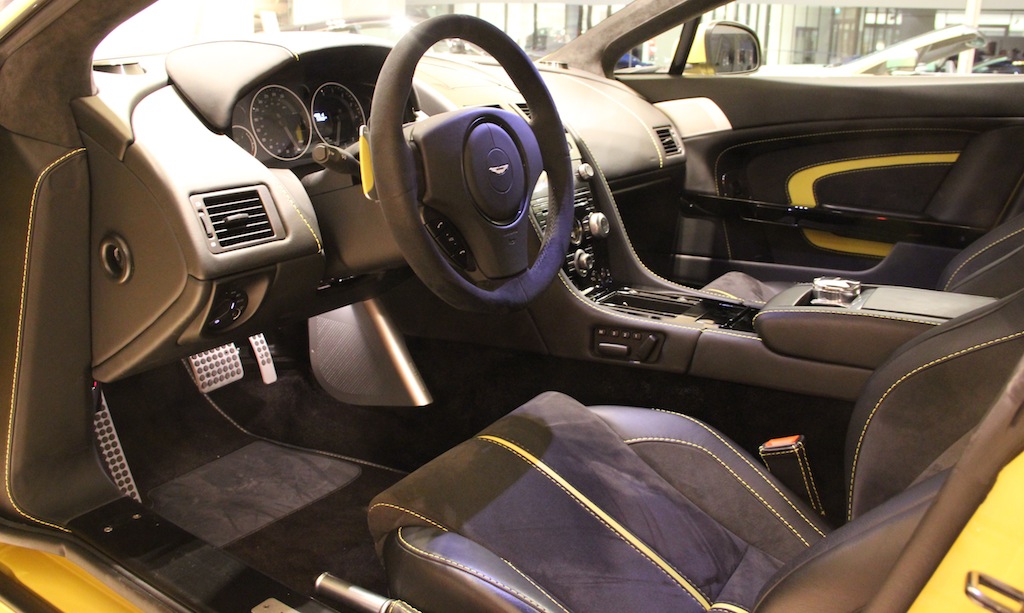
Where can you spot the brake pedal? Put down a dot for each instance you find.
(216, 368)
(263, 358)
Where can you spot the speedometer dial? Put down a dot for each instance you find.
(280, 122)
(337, 114)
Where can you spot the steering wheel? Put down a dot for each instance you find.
(455, 188)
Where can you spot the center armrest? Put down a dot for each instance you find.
(862, 334)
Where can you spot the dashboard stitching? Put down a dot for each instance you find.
(291, 201)
(647, 130)
(615, 211)
(21, 323)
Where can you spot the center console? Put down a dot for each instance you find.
(823, 340)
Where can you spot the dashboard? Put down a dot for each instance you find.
(189, 158)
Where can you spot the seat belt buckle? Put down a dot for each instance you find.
(786, 458)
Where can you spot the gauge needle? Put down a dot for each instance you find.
(292, 136)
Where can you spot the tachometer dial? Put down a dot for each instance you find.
(244, 138)
(337, 114)
(280, 122)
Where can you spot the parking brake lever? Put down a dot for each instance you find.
(336, 159)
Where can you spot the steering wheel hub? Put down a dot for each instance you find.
(494, 172)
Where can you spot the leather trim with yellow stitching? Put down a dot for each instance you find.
(600, 514)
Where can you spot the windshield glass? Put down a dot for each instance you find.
(539, 28)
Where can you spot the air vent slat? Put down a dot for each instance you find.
(525, 108)
(237, 218)
(668, 140)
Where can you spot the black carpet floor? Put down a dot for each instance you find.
(287, 513)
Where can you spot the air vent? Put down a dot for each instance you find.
(237, 218)
(668, 140)
(524, 109)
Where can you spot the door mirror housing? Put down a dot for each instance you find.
(724, 47)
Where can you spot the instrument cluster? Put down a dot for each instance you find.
(280, 122)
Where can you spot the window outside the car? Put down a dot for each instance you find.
(915, 37)
(540, 28)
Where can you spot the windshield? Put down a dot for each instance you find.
(538, 28)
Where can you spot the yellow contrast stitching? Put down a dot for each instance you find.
(402, 605)
(625, 235)
(718, 291)
(662, 439)
(725, 606)
(21, 327)
(647, 129)
(472, 571)
(806, 459)
(736, 334)
(977, 253)
(805, 473)
(748, 463)
(867, 422)
(609, 522)
(534, 584)
(853, 313)
(405, 510)
(291, 201)
(718, 159)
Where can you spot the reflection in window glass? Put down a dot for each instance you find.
(841, 40)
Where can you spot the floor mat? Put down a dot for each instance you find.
(246, 490)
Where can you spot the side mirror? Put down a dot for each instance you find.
(724, 47)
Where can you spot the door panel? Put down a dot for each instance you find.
(863, 177)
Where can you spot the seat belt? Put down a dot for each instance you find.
(786, 458)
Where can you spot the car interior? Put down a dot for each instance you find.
(312, 322)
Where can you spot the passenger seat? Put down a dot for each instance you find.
(992, 266)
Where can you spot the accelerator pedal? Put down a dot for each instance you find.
(110, 448)
(217, 367)
(263, 358)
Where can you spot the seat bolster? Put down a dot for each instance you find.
(991, 265)
(439, 571)
(720, 477)
(844, 571)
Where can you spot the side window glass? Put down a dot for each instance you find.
(808, 40)
(654, 55)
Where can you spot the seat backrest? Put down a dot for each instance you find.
(993, 265)
(917, 410)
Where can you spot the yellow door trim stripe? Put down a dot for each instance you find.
(800, 190)
(843, 244)
(800, 186)
(606, 519)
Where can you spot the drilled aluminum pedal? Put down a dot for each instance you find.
(266, 361)
(216, 368)
(113, 455)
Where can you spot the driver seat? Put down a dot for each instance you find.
(559, 507)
